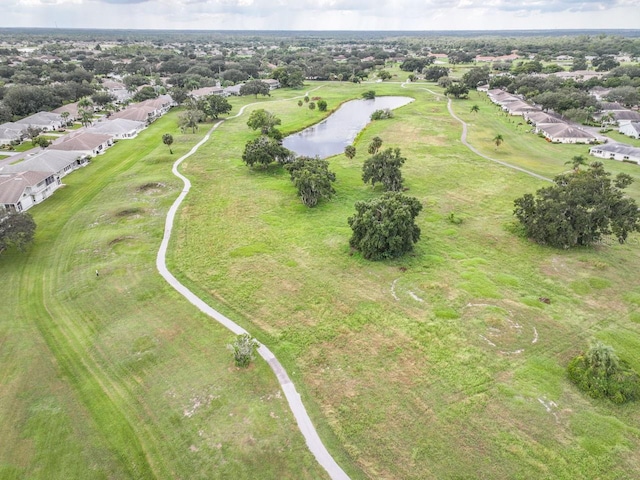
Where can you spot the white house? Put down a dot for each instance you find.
(83, 142)
(118, 128)
(536, 117)
(273, 84)
(20, 191)
(57, 162)
(625, 116)
(564, 133)
(10, 132)
(45, 121)
(616, 151)
(631, 129)
(206, 91)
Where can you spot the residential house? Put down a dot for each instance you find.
(206, 91)
(616, 151)
(118, 128)
(57, 162)
(45, 121)
(273, 84)
(623, 117)
(10, 132)
(70, 108)
(564, 133)
(536, 117)
(519, 108)
(20, 191)
(83, 142)
(631, 129)
(233, 90)
(136, 113)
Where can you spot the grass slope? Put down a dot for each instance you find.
(443, 364)
(116, 376)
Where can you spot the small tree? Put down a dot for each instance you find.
(384, 167)
(385, 227)
(350, 151)
(217, 105)
(312, 178)
(306, 99)
(475, 109)
(369, 95)
(498, 140)
(384, 75)
(601, 374)
(40, 141)
(65, 117)
(300, 103)
(374, 145)
(576, 162)
(167, 139)
(189, 119)
(16, 230)
(322, 105)
(312, 105)
(244, 350)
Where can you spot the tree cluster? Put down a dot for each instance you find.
(580, 209)
(16, 230)
(312, 179)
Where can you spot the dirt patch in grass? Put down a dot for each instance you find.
(129, 212)
(151, 187)
(121, 239)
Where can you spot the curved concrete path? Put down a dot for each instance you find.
(463, 139)
(310, 434)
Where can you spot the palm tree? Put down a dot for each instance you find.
(375, 145)
(498, 140)
(576, 161)
(475, 109)
(85, 103)
(85, 117)
(65, 117)
(167, 139)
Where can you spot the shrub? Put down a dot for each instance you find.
(601, 374)
(244, 349)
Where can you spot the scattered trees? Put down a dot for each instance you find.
(582, 207)
(601, 374)
(369, 95)
(189, 119)
(416, 64)
(350, 151)
(384, 75)
(16, 230)
(244, 349)
(216, 105)
(434, 73)
(312, 178)
(385, 227)
(384, 168)
(167, 139)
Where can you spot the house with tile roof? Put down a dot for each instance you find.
(631, 129)
(58, 162)
(564, 133)
(21, 191)
(118, 128)
(83, 142)
(45, 121)
(616, 151)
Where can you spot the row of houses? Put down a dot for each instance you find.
(17, 131)
(30, 178)
(233, 90)
(552, 127)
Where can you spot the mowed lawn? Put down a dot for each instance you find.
(442, 364)
(115, 376)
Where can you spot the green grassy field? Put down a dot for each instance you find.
(443, 364)
(115, 376)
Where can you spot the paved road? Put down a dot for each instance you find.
(293, 397)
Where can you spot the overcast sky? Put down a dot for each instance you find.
(323, 14)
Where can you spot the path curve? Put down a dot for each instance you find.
(463, 139)
(310, 434)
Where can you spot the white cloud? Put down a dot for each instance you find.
(324, 14)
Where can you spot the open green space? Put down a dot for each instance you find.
(442, 364)
(116, 376)
(445, 363)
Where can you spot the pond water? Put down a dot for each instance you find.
(339, 129)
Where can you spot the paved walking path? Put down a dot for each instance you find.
(463, 139)
(293, 397)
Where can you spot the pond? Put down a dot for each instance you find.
(339, 129)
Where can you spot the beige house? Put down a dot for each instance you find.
(564, 133)
(83, 142)
(616, 151)
(21, 191)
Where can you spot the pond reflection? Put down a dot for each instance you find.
(338, 130)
